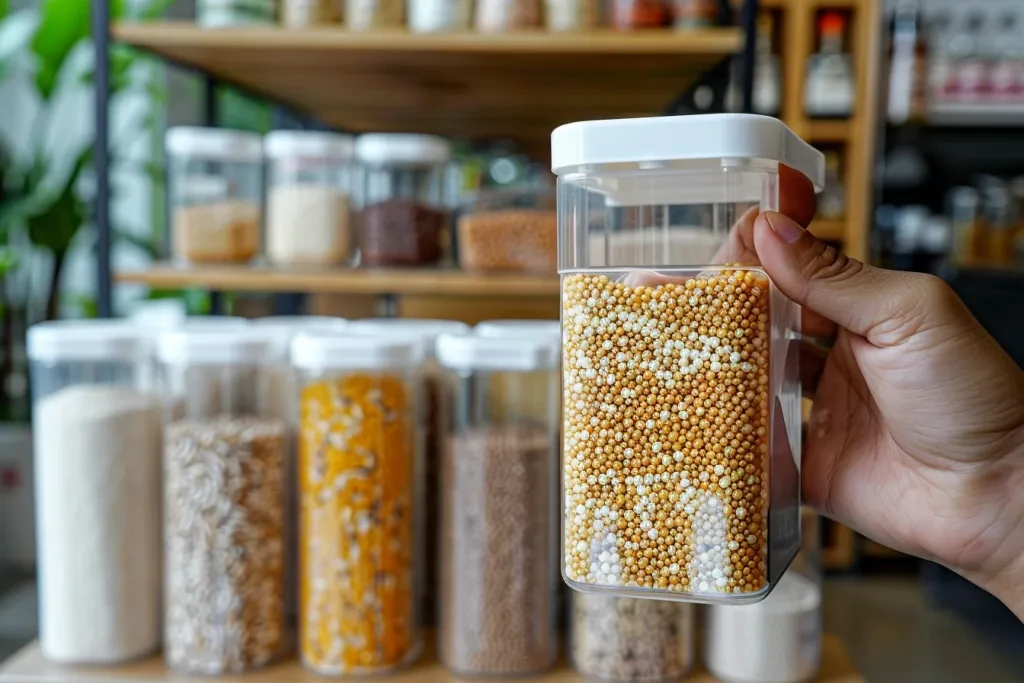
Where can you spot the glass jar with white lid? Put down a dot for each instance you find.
(310, 179)
(96, 445)
(215, 187)
(403, 217)
(687, 358)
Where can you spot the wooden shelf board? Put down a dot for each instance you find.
(346, 281)
(820, 130)
(29, 666)
(831, 230)
(519, 85)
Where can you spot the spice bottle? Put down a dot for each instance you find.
(360, 492)
(96, 443)
(629, 639)
(629, 15)
(403, 219)
(309, 13)
(311, 176)
(498, 585)
(235, 13)
(571, 15)
(224, 503)
(436, 16)
(782, 633)
(499, 16)
(214, 181)
(509, 230)
(693, 14)
(370, 15)
(681, 398)
(970, 237)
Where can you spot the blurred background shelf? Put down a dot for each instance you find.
(29, 666)
(518, 85)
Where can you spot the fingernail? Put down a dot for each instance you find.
(785, 228)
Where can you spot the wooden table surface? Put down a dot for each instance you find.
(29, 666)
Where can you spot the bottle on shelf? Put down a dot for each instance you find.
(767, 74)
(832, 202)
(996, 215)
(694, 14)
(829, 86)
(968, 232)
(906, 245)
(907, 65)
(936, 238)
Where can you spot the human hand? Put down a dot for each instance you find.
(916, 438)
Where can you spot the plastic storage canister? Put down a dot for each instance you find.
(433, 16)
(571, 15)
(311, 176)
(369, 15)
(359, 488)
(215, 190)
(308, 13)
(224, 496)
(498, 528)
(229, 13)
(781, 635)
(96, 442)
(515, 231)
(498, 16)
(629, 639)
(403, 219)
(691, 369)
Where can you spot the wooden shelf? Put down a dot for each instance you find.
(29, 666)
(346, 281)
(817, 131)
(831, 230)
(519, 85)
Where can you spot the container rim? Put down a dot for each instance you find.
(342, 350)
(576, 147)
(508, 353)
(104, 339)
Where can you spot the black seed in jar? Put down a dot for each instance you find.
(401, 232)
(497, 551)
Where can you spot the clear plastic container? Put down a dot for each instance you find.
(403, 219)
(435, 16)
(214, 181)
(498, 584)
(499, 16)
(630, 639)
(233, 13)
(224, 503)
(572, 15)
(360, 494)
(781, 635)
(96, 443)
(370, 15)
(519, 328)
(515, 231)
(311, 176)
(681, 377)
(309, 13)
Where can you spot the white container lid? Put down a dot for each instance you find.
(281, 329)
(159, 313)
(423, 330)
(381, 149)
(308, 143)
(86, 340)
(576, 147)
(318, 349)
(519, 328)
(214, 143)
(475, 352)
(228, 345)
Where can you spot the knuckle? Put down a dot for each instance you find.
(826, 263)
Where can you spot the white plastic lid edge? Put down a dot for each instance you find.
(240, 345)
(473, 352)
(340, 351)
(214, 143)
(85, 340)
(281, 144)
(379, 149)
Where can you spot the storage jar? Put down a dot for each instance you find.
(630, 639)
(498, 584)
(516, 231)
(403, 219)
(691, 367)
(96, 443)
(519, 328)
(214, 182)
(435, 16)
(370, 15)
(499, 16)
(781, 635)
(234, 13)
(629, 15)
(310, 13)
(311, 175)
(224, 503)
(360, 495)
(572, 15)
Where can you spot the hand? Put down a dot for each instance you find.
(917, 433)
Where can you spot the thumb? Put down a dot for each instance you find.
(883, 306)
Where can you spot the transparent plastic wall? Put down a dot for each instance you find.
(680, 383)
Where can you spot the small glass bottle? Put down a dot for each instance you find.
(781, 635)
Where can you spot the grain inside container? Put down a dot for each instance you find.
(96, 443)
(498, 584)
(503, 230)
(359, 485)
(680, 378)
(224, 502)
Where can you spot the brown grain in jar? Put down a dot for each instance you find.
(509, 239)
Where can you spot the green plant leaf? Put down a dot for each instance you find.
(56, 226)
(63, 24)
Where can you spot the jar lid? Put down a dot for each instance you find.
(318, 349)
(86, 340)
(377, 149)
(519, 328)
(474, 352)
(667, 139)
(281, 329)
(228, 345)
(214, 143)
(423, 330)
(308, 143)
